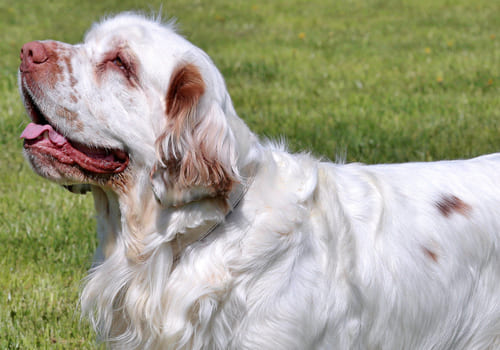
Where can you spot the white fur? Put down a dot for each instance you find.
(315, 256)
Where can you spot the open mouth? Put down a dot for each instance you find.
(41, 137)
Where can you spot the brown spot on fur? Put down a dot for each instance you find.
(430, 254)
(57, 53)
(55, 76)
(66, 113)
(69, 66)
(450, 203)
(70, 116)
(185, 89)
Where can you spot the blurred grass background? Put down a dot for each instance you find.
(374, 81)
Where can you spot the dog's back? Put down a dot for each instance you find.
(416, 253)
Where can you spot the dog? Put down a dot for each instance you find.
(210, 238)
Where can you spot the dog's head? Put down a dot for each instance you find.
(134, 102)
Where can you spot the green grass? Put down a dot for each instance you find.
(379, 81)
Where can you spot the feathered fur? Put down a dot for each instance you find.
(314, 255)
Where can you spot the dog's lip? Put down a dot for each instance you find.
(46, 140)
(42, 137)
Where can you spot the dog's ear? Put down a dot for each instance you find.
(196, 153)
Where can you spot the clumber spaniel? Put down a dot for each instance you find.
(210, 239)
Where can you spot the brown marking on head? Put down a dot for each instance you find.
(66, 113)
(185, 89)
(69, 66)
(191, 161)
(451, 203)
(70, 116)
(430, 254)
(57, 53)
(122, 60)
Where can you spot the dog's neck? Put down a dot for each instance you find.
(133, 219)
(200, 232)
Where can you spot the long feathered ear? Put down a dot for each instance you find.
(196, 153)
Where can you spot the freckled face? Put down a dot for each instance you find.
(46, 80)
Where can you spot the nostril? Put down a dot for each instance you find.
(34, 52)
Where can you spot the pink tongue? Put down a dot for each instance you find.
(33, 131)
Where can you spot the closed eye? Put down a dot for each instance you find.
(119, 61)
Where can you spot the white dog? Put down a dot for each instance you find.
(210, 239)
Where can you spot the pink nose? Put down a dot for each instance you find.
(33, 54)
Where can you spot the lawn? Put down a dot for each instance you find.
(370, 81)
